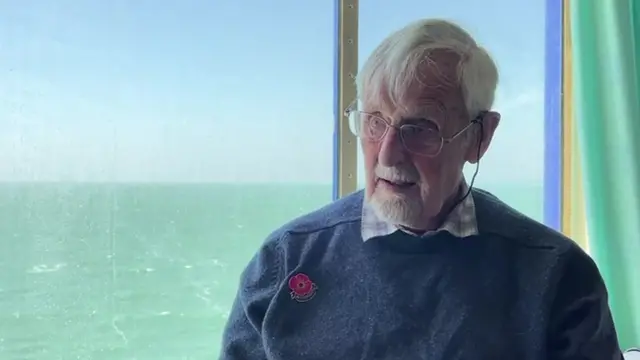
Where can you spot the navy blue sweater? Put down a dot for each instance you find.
(519, 290)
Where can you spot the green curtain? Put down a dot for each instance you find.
(606, 69)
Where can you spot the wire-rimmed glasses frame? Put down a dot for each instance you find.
(417, 139)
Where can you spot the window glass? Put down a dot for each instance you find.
(513, 32)
(147, 148)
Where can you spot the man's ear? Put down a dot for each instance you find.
(482, 132)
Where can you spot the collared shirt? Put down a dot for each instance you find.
(461, 221)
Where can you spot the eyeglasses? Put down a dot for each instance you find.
(421, 138)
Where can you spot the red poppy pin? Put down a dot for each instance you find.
(302, 288)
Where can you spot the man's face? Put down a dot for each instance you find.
(404, 187)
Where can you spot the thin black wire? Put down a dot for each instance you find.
(479, 120)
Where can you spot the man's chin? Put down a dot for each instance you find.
(395, 209)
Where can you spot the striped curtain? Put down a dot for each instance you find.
(605, 36)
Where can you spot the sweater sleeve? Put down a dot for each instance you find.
(581, 322)
(241, 339)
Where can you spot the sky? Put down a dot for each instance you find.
(225, 90)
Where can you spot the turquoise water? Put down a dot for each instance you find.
(100, 271)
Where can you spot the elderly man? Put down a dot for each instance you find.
(421, 265)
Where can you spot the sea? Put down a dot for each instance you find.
(140, 271)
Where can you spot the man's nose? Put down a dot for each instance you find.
(392, 151)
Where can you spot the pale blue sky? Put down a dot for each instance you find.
(226, 90)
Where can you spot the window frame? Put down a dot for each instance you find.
(345, 163)
(553, 122)
(561, 165)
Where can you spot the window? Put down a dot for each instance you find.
(513, 166)
(147, 149)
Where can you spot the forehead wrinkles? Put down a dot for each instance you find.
(439, 70)
(432, 86)
(432, 93)
(428, 106)
(416, 102)
(438, 77)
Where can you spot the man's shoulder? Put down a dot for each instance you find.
(346, 210)
(496, 217)
(544, 249)
(285, 247)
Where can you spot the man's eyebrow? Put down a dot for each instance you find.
(420, 120)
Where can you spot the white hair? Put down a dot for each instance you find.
(395, 63)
